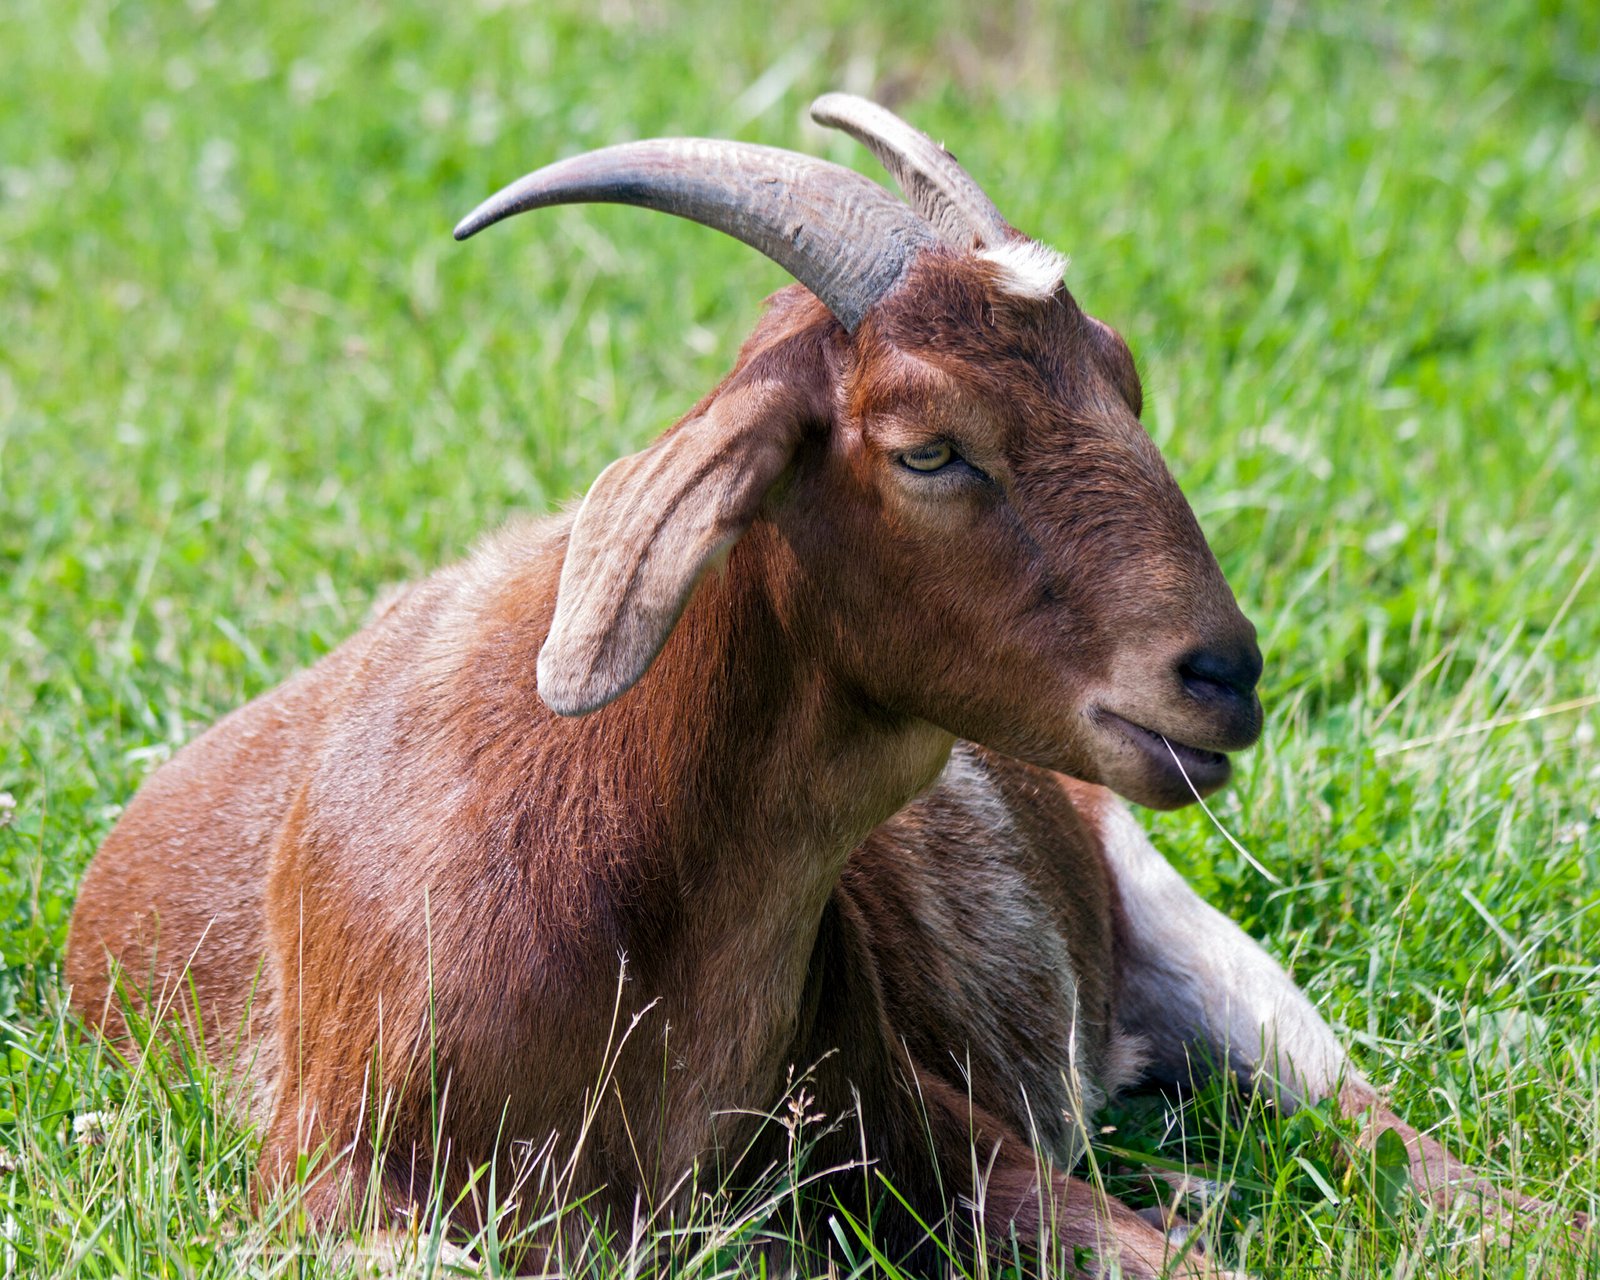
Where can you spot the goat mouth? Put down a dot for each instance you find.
(1181, 765)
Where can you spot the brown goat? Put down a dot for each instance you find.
(665, 748)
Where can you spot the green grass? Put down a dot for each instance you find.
(247, 380)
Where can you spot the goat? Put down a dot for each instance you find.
(710, 723)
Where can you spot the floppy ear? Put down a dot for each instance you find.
(649, 528)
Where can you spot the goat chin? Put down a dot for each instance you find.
(428, 922)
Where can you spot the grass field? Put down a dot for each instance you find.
(247, 380)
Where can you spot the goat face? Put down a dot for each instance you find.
(980, 530)
(1007, 554)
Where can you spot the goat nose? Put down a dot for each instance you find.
(1222, 674)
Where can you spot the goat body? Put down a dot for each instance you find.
(455, 925)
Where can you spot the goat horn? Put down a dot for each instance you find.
(934, 182)
(841, 235)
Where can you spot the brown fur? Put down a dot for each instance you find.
(443, 904)
(438, 880)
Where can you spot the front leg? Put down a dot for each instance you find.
(1004, 1193)
(1205, 995)
(963, 1177)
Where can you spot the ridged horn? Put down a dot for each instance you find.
(932, 179)
(841, 235)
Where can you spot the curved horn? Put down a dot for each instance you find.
(841, 235)
(934, 182)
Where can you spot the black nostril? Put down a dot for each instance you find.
(1232, 672)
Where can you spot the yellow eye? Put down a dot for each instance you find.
(928, 457)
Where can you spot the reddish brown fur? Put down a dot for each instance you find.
(438, 879)
(408, 817)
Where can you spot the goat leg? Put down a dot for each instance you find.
(1205, 996)
(1445, 1182)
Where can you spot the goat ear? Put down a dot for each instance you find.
(649, 528)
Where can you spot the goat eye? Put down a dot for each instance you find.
(929, 457)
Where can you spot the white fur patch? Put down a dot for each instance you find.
(1188, 962)
(1027, 268)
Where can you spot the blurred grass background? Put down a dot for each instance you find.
(247, 380)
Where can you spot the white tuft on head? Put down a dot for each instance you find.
(1028, 269)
